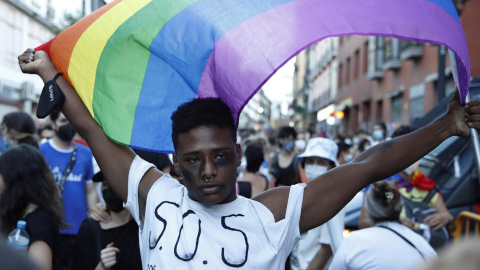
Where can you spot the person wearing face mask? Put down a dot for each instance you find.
(72, 168)
(379, 133)
(344, 153)
(18, 128)
(317, 248)
(112, 245)
(284, 166)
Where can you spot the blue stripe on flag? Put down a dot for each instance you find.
(176, 50)
(448, 6)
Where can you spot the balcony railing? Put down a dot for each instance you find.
(375, 59)
(391, 59)
(410, 49)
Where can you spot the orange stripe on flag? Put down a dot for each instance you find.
(63, 45)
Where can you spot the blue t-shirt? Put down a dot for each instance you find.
(74, 192)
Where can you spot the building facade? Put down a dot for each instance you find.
(23, 24)
(257, 113)
(397, 81)
(27, 24)
(316, 84)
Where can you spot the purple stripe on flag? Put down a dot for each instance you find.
(246, 57)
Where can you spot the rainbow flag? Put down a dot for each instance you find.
(133, 62)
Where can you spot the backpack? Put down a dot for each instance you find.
(417, 212)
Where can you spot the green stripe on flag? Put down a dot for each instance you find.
(122, 66)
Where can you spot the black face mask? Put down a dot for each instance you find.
(114, 203)
(65, 132)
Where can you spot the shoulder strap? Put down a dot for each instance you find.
(71, 163)
(266, 181)
(401, 236)
(275, 159)
(430, 194)
(95, 225)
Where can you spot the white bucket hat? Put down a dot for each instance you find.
(321, 147)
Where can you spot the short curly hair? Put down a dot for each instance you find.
(211, 112)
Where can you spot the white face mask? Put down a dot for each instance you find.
(348, 158)
(312, 171)
(378, 134)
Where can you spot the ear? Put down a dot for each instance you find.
(239, 154)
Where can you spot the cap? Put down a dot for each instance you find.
(321, 147)
(98, 177)
(21, 224)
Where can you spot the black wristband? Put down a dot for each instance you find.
(56, 76)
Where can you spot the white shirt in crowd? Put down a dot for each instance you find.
(179, 233)
(330, 233)
(379, 248)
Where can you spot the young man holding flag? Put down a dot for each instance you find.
(204, 223)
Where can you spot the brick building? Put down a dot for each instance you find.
(395, 81)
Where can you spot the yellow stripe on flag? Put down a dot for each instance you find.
(86, 54)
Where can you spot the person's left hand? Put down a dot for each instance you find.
(437, 220)
(472, 108)
(465, 117)
(108, 256)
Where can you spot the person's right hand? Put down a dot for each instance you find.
(37, 62)
(108, 256)
(99, 213)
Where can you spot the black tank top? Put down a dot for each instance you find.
(285, 176)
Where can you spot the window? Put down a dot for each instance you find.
(397, 108)
(347, 75)
(356, 64)
(379, 56)
(365, 58)
(340, 76)
(416, 96)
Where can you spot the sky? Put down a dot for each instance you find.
(279, 89)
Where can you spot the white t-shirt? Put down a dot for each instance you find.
(179, 233)
(330, 233)
(380, 248)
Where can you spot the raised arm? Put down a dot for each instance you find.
(329, 193)
(114, 159)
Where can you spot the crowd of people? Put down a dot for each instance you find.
(223, 199)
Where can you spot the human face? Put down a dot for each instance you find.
(208, 153)
(287, 143)
(318, 161)
(6, 134)
(61, 121)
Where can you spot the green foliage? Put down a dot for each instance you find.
(69, 19)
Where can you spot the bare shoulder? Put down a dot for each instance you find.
(275, 200)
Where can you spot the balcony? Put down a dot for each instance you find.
(410, 50)
(375, 59)
(375, 74)
(391, 59)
